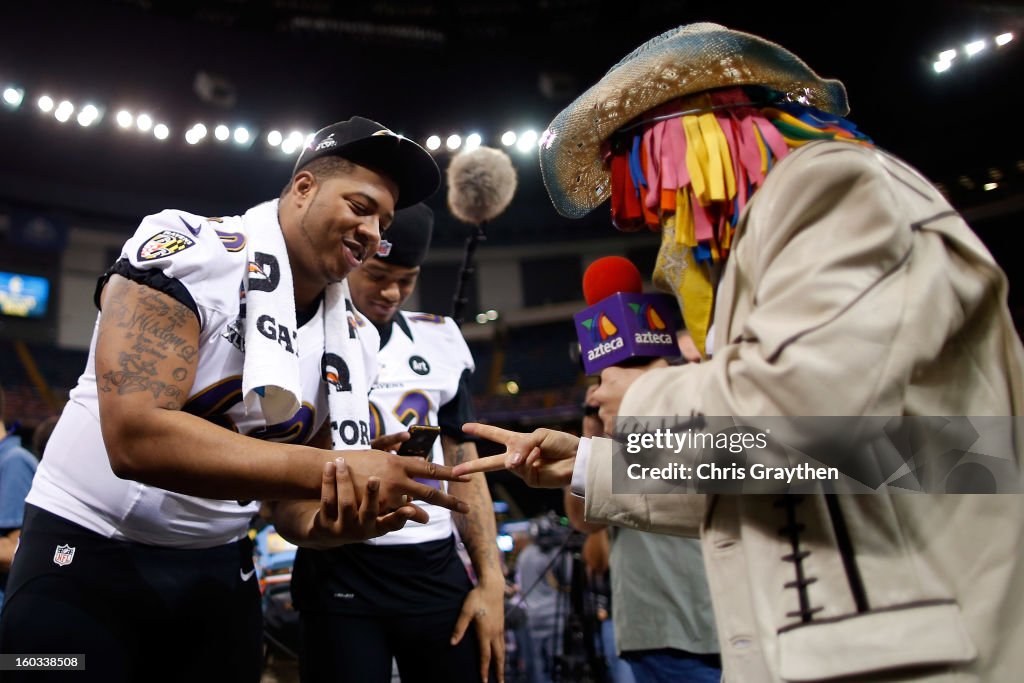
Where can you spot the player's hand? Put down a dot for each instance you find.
(398, 474)
(614, 383)
(389, 442)
(486, 610)
(543, 458)
(340, 519)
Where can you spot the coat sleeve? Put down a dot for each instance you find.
(678, 515)
(824, 252)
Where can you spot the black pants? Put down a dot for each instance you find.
(358, 649)
(137, 612)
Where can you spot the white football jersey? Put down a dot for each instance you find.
(201, 262)
(419, 370)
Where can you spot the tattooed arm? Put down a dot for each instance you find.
(485, 604)
(146, 359)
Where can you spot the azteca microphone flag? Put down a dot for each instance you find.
(621, 323)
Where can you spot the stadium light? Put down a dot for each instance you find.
(195, 134)
(1003, 39)
(89, 115)
(45, 103)
(527, 141)
(274, 138)
(974, 47)
(64, 111)
(13, 97)
(508, 138)
(293, 142)
(144, 122)
(433, 143)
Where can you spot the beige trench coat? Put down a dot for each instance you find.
(853, 289)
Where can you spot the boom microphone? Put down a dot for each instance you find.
(481, 183)
(622, 325)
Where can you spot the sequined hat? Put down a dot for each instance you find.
(683, 61)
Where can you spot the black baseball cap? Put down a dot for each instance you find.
(406, 241)
(370, 144)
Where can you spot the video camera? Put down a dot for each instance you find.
(551, 531)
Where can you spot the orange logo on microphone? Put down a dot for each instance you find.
(648, 317)
(601, 327)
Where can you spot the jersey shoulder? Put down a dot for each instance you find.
(440, 333)
(206, 255)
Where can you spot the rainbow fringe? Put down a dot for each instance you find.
(691, 176)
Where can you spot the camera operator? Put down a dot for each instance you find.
(561, 611)
(543, 573)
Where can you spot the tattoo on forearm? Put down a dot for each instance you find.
(479, 539)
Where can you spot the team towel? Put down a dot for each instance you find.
(270, 374)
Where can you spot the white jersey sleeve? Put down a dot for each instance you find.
(201, 263)
(198, 261)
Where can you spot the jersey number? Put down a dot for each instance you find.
(412, 409)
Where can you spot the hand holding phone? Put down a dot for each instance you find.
(421, 441)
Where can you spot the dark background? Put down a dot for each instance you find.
(438, 67)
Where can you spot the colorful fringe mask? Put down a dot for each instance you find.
(690, 175)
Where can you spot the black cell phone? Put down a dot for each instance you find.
(421, 440)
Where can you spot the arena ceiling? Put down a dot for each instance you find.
(425, 67)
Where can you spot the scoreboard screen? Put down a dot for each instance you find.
(23, 296)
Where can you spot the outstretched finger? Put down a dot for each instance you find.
(369, 509)
(485, 659)
(329, 493)
(346, 491)
(424, 469)
(461, 624)
(489, 432)
(490, 463)
(425, 492)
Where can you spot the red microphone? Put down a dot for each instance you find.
(621, 324)
(608, 275)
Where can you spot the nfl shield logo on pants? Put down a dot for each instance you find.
(63, 555)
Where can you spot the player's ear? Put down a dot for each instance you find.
(303, 185)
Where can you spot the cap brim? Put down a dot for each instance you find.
(411, 167)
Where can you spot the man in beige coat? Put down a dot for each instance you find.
(850, 288)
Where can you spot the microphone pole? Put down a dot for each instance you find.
(466, 272)
(481, 183)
